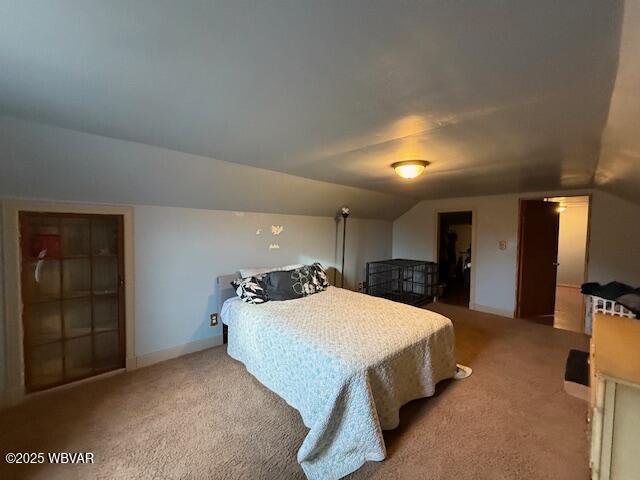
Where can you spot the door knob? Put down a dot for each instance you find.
(556, 264)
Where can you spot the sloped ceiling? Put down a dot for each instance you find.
(54, 163)
(498, 96)
(619, 166)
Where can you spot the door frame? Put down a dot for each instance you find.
(519, 253)
(13, 345)
(474, 250)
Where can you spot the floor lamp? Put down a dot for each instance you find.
(345, 213)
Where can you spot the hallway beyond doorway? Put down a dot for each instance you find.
(569, 311)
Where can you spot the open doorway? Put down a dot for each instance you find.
(454, 256)
(553, 260)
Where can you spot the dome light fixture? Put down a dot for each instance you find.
(409, 168)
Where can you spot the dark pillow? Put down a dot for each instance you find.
(613, 290)
(590, 288)
(288, 285)
(250, 290)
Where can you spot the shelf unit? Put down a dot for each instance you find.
(72, 295)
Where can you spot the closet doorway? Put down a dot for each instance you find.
(553, 257)
(72, 278)
(454, 256)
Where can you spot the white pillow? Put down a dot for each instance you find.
(255, 271)
(286, 268)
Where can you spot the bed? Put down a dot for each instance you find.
(346, 362)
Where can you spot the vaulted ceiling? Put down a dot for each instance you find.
(498, 96)
(619, 165)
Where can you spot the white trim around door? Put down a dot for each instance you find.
(14, 363)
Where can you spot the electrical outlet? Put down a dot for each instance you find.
(214, 319)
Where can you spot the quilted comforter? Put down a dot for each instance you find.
(347, 362)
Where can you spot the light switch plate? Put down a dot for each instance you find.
(214, 319)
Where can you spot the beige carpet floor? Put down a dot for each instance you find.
(204, 416)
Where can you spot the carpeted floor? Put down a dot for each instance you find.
(204, 416)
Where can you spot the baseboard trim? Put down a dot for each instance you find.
(130, 363)
(494, 311)
(177, 351)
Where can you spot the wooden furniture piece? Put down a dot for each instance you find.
(72, 281)
(615, 399)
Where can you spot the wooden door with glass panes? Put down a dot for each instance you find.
(73, 296)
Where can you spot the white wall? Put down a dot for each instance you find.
(494, 219)
(613, 251)
(614, 243)
(179, 253)
(572, 244)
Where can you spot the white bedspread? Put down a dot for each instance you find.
(347, 362)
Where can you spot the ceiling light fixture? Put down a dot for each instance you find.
(409, 168)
